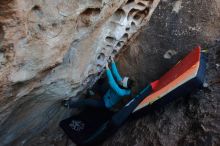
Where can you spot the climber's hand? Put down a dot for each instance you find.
(107, 66)
(109, 60)
(112, 59)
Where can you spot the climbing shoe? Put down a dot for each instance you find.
(65, 103)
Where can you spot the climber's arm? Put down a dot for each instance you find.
(115, 71)
(114, 85)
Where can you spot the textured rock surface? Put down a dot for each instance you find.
(53, 49)
(176, 27)
(42, 64)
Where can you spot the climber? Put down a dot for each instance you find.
(117, 90)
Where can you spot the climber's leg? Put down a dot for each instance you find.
(84, 102)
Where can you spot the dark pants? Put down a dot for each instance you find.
(101, 87)
(87, 102)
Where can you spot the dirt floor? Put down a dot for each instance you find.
(176, 27)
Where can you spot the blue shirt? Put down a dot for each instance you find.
(115, 93)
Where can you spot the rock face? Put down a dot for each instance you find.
(54, 49)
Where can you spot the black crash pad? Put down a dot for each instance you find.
(80, 127)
